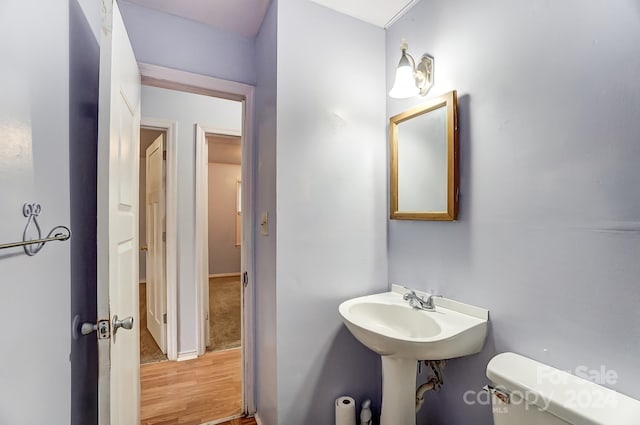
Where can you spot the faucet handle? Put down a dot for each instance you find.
(410, 294)
(430, 303)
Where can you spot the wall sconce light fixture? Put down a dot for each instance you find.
(412, 80)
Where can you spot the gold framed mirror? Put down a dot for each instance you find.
(424, 161)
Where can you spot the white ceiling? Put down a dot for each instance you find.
(244, 17)
(381, 13)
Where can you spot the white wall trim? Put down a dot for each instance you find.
(201, 238)
(180, 80)
(202, 228)
(257, 418)
(171, 217)
(168, 78)
(187, 355)
(223, 275)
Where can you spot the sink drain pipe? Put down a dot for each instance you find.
(434, 383)
(422, 389)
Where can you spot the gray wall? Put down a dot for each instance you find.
(331, 205)
(35, 384)
(167, 40)
(224, 254)
(265, 200)
(188, 109)
(548, 236)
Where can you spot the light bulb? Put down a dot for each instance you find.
(405, 83)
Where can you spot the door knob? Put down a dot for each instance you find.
(126, 323)
(78, 328)
(88, 327)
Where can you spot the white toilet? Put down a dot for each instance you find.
(526, 392)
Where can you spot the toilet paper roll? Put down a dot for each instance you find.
(345, 411)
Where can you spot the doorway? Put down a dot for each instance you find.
(152, 234)
(223, 327)
(206, 389)
(117, 228)
(210, 359)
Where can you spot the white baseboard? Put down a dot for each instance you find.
(258, 420)
(187, 355)
(224, 274)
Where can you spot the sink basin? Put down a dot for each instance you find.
(388, 325)
(402, 335)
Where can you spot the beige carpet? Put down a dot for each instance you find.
(224, 324)
(224, 312)
(149, 350)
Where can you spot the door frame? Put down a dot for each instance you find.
(202, 226)
(171, 227)
(168, 78)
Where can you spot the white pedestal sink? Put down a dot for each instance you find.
(402, 335)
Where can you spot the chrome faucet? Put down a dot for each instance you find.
(419, 303)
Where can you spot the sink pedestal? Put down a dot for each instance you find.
(398, 391)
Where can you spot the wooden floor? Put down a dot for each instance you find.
(193, 392)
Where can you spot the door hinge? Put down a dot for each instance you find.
(164, 318)
(164, 236)
(164, 155)
(245, 279)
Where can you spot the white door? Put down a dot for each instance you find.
(118, 167)
(156, 282)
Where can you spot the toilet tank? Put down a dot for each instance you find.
(526, 392)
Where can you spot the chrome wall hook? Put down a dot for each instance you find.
(31, 211)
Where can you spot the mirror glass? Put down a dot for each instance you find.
(423, 161)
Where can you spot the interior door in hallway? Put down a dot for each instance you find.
(155, 225)
(117, 233)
